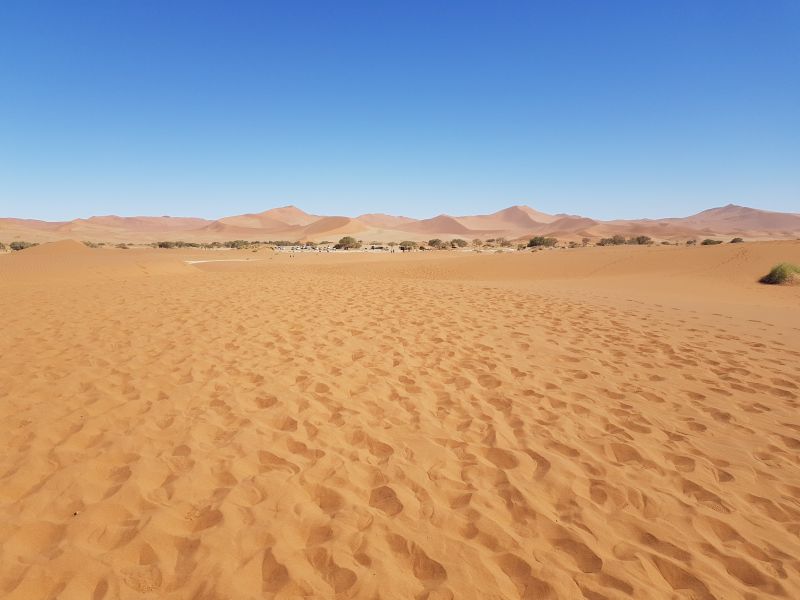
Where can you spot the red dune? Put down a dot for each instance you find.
(515, 222)
(383, 221)
(443, 224)
(332, 225)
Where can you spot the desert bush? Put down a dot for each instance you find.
(640, 240)
(458, 243)
(407, 245)
(2, 247)
(782, 273)
(616, 240)
(436, 243)
(585, 241)
(477, 243)
(90, 244)
(547, 242)
(691, 242)
(347, 242)
(236, 244)
(736, 240)
(710, 242)
(122, 246)
(17, 246)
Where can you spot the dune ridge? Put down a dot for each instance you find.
(516, 222)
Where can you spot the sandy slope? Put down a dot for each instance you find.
(596, 423)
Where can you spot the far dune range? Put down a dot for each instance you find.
(514, 223)
(599, 423)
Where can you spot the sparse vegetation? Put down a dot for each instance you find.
(178, 244)
(436, 243)
(783, 273)
(122, 246)
(710, 242)
(458, 243)
(2, 247)
(541, 241)
(18, 245)
(407, 245)
(616, 240)
(90, 244)
(691, 242)
(736, 240)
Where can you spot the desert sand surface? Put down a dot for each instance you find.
(598, 423)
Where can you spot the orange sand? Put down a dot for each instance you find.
(599, 423)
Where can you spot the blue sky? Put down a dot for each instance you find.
(602, 108)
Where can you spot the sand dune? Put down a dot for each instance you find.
(442, 224)
(515, 222)
(598, 423)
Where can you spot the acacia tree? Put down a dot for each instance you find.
(347, 242)
(541, 241)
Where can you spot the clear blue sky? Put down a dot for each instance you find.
(606, 108)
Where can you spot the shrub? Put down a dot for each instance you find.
(710, 242)
(16, 246)
(90, 244)
(616, 240)
(736, 240)
(407, 245)
(2, 247)
(477, 243)
(436, 243)
(237, 244)
(782, 273)
(641, 240)
(347, 242)
(691, 242)
(547, 242)
(585, 241)
(458, 243)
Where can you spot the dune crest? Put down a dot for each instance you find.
(517, 222)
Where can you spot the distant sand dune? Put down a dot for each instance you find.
(598, 423)
(514, 222)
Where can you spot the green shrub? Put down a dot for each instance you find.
(16, 246)
(710, 242)
(436, 243)
(347, 242)
(547, 242)
(782, 273)
(736, 241)
(641, 240)
(616, 240)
